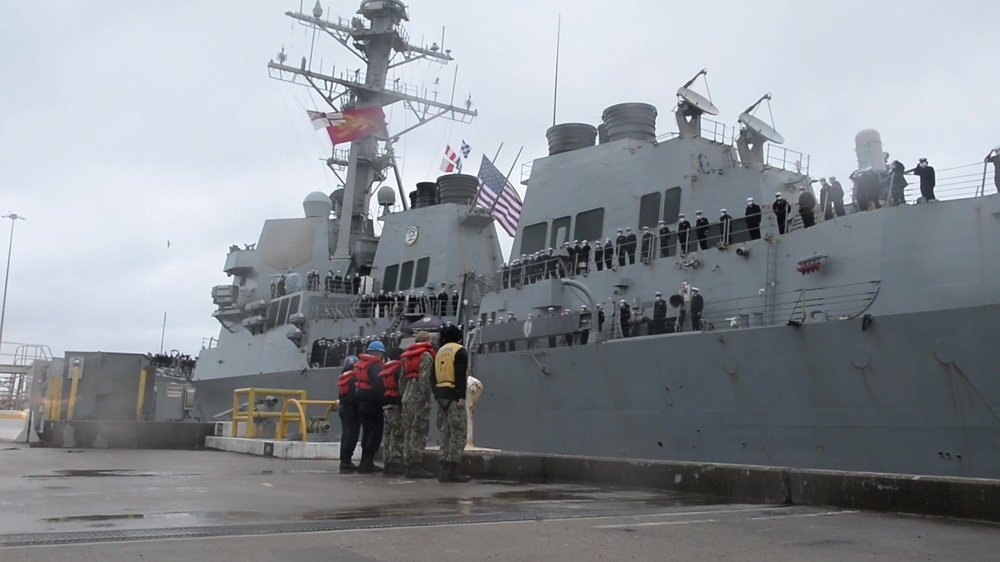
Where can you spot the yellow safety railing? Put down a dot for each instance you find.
(53, 399)
(300, 418)
(71, 409)
(251, 415)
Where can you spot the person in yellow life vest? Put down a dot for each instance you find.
(451, 373)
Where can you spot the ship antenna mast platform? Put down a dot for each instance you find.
(376, 36)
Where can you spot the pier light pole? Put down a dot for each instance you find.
(6, 279)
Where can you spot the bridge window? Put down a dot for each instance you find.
(423, 266)
(282, 312)
(560, 232)
(406, 276)
(672, 205)
(293, 306)
(649, 210)
(533, 238)
(589, 225)
(389, 280)
(272, 314)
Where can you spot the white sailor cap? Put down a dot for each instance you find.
(622, 301)
(697, 212)
(583, 307)
(659, 294)
(608, 240)
(619, 230)
(802, 188)
(777, 194)
(723, 211)
(749, 199)
(663, 222)
(511, 313)
(551, 308)
(680, 216)
(695, 289)
(628, 230)
(645, 228)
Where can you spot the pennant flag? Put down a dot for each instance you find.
(466, 149)
(451, 162)
(497, 193)
(351, 125)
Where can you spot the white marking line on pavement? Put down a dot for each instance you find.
(657, 524)
(799, 515)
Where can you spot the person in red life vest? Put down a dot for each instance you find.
(392, 452)
(350, 423)
(368, 393)
(418, 368)
(451, 373)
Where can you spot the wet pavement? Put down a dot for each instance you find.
(193, 505)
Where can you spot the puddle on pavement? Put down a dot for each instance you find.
(201, 515)
(104, 473)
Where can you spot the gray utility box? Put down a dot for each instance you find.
(108, 386)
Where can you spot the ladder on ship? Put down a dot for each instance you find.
(770, 278)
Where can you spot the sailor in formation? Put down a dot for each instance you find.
(727, 234)
(701, 230)
(697, 306)
(837, 197)
(752, 216)
(625, 317)
(598, 255)
(664, 239)
(583, 258)
(646, 256)
(659, 314)
(683, 233)
(994, 158)
(807, 207)
(781, 208)
(451, 365)
(897, 183)
(621, 245)
(609, 253)
(632, 244)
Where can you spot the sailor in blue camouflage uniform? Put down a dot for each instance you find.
(451, 372)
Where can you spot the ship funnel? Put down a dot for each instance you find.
(317, 204)
(460, 189)
(868, 147)
(630, 121)
(570, 136)
(426, 195)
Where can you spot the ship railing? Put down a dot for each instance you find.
(787, 159)
(796, 307)
(526, 171)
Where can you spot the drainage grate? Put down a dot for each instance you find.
(39, 539)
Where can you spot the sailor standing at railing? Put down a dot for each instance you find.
(583, 258)
(925, 172)
(837, 197)
(701, 230)
(752, 216)
(994, 158)
(781, 208)
(609, 253)
(625, 317)
(659, 314)
(697, 306)
(621, 244)
(632, 243)
(683, 233)
(664, 239)
(897, 183)
(727, 233)
(647, 246)
(598, 255)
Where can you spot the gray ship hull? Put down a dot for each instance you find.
(914, 394)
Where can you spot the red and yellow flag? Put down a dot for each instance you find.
(351, 124)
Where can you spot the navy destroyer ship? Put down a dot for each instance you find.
(856, 343)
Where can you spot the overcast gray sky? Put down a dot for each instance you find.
(127, 124)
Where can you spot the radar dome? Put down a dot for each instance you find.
(386, 196)
(868, 147)
(317, 204)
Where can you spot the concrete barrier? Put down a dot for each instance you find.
(15, 426)
(127, 434)
(962, 498)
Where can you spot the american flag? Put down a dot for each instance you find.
(466, 149)
(451, 162)
(494, 185)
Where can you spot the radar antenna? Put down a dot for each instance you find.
(375, 36)
(691, 106)
(754, 132)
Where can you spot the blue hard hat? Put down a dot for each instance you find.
(376, 346)
(351, 361)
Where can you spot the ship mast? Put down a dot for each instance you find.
(378, 39)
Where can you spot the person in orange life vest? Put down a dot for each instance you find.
(369, 394)
(350, 423)
(418, 368)
(392, 451)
